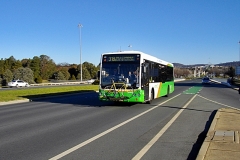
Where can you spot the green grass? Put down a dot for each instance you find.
(29, 93)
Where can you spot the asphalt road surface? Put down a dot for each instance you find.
(79, 126)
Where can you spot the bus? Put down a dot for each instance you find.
(134, 76)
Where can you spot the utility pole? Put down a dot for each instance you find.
(239, 54)
(80, 39)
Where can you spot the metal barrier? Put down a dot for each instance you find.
(57, 84)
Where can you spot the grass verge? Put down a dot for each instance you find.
(29, 93)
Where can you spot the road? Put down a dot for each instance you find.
(81, 127)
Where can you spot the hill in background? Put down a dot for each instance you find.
(235, 63)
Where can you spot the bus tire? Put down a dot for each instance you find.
(151, 97)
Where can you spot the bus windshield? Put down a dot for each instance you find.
(120, 72)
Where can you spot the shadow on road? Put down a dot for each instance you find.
(212, 84)
(201, 137)
(84, 98)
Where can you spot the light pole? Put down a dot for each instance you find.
(239, 53)
(80, 39)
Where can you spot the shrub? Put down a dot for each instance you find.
(0, 81)
(96, 82)
(38, 79)
(73, 77)
(25, 74)
(7, 77)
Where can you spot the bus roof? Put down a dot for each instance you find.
(143, 55)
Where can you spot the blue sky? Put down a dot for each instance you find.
(182, 31)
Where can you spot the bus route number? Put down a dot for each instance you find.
(114, 59)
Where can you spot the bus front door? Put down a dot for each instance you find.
(145, 81)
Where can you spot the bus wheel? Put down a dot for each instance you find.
(151, 97)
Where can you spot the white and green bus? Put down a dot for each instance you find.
(133, 76)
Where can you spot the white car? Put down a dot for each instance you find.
(90, 81)
(18, 83)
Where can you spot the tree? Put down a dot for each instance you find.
(73, 77)
(73, 71)
(59, 76)
(7, 76)
(65, 73)
(47, 67)
(12, 64)
(38, 79)
(92, 69)
(17, 65)
(1, 81)
(8, 62)
(179, 72)
(26, 63)
(231, 72)
(86, 74)
(35, 67)
(215, 71)
(25, 74)
(1, 67)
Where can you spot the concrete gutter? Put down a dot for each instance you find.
(14, 102)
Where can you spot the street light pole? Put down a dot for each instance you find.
(239, 53)
(80, 39)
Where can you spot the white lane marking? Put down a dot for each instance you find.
(144, 150)
(219, 103)
(106, 132)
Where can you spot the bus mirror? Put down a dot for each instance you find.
(98, 74)
(103, 73)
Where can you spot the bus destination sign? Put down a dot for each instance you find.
(121, 58)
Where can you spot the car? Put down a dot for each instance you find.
(90, 81)
(206, 80)
(18, 83)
